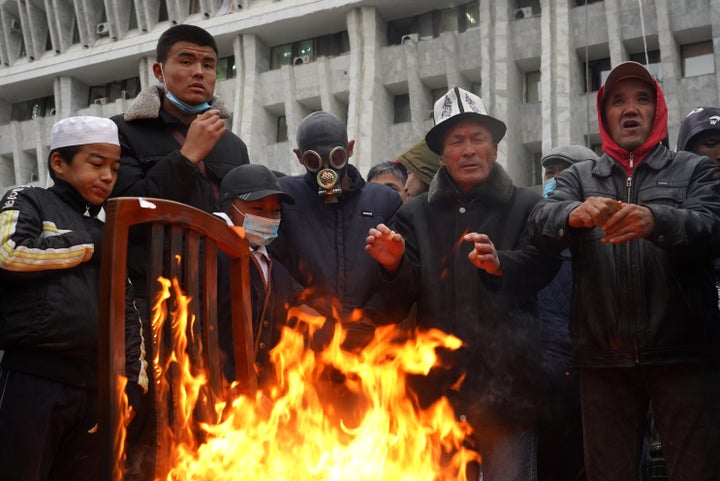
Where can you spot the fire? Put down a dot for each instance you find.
(331, 415)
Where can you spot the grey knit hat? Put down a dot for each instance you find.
(569, 154)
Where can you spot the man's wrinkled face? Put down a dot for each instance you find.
(469, 152)
(630, 112)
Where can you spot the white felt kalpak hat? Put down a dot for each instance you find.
(83, 129)
(456, 105)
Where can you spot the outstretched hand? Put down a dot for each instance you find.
(386, 246)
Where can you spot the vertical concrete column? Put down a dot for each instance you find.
(715, 26)
(328, 102)
(240, 83)
(145, 71)
(365, 120)
(416, 90)
(499, 79)
(612, 15)
(670, 58)
(70, 94)
(556, 55)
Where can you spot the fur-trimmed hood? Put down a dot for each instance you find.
(148, 102)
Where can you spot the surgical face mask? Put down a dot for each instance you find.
(185, 108)
(549, 186)
(259, 230)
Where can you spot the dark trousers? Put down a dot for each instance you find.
(44, 430)
(685, 408)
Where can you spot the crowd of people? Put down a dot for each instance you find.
(585, 312)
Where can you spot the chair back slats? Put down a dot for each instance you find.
(182, 244)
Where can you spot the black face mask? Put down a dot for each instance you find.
(330, 170)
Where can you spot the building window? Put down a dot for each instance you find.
(401, 108)
(526, 8)
(532, 87)
(226, 68)
(597, 72)
(32, 109)
(697, 59)
(281, 129)
(307, 50)
(432, 24)
(652, 62)
(582, 3)
(109, 92)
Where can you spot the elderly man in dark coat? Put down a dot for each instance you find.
(461, 251)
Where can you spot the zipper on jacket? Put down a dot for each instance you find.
(628, 193)
(632, 160)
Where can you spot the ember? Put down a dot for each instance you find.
(332, 414)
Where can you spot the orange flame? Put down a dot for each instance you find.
(331, 415)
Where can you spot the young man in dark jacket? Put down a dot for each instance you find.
(461, 251)
(643, 226)
(174, 146)
(50, 243)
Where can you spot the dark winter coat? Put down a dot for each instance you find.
(495, 317)
(323, 245)
(50, 265)
(151, 164)
(647, 301)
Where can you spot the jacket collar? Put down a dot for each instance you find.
(72, 197)
(148, 102)
(656, 160)
(496, 189)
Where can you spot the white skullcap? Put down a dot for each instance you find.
(84, 129)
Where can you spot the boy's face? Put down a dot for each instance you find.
(269, 207)
(93, 170)
(189, 72)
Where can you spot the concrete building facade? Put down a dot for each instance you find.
(378, 64)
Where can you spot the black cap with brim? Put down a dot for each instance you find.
(457, 105)
(252, 182)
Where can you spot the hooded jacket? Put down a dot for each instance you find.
(495, 317)
(151, 165)
(646, 301)
(50, 265)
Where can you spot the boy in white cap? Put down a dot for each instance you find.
(461, 252)
(50, 264)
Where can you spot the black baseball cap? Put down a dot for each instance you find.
(251, 182)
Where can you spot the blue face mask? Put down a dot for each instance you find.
(549, 186)
(186, 108)
(259, 230)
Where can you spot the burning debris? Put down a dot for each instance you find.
(329, 415)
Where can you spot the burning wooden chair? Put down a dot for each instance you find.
(183, 245)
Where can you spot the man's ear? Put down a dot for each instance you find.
(57, 164)
(158, 72)
(442, 159)
(351, 147)
(298, 155)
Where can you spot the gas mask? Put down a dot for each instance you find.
(329, 171)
